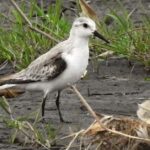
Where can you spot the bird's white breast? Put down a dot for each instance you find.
(77, 62)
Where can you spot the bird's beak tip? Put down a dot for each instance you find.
(98, 35)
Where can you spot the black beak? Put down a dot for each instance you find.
(96, 34)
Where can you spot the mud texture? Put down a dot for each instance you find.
(114, 90)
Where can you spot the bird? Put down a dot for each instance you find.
(62, 66)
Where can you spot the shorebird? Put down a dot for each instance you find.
(60, 67)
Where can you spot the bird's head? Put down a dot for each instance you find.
(85, 27)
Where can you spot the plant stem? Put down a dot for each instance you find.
(30, 24)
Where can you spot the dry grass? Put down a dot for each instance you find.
(99, 138)
(114, 133)
(95, 137)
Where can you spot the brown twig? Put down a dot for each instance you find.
(30, 24)
(98, 120)
(75, 137)
(85, 103)
(21, 13)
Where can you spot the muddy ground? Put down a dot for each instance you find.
(116, 89)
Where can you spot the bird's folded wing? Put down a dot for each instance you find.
(39, 70)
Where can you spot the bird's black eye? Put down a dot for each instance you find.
(85, 25)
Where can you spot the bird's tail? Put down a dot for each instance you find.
(8, 89)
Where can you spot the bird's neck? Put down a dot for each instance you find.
(78, 41)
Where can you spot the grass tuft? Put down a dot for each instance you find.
(22, 45)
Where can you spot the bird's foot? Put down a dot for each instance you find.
(64, 121)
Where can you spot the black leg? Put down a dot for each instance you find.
(43, 105)
(58, 107)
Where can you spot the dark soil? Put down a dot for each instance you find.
(116, 89)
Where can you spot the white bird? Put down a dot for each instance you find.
(63, 65)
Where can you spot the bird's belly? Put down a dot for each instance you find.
(75, 68)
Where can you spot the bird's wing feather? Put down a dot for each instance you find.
(43, 71)
(46, 67)
(46, 70)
